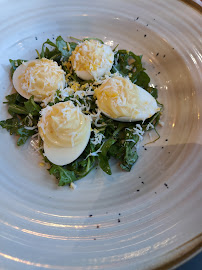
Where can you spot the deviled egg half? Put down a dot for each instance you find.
(40, 78)
(92, 59)
(120, 99)
(65, 131)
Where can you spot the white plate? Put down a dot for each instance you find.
(43, 226)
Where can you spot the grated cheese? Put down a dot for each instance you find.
(98, 137)
(149, 126)
(138, 131)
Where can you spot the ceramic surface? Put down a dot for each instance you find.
(149, 218)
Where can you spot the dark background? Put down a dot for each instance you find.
(193, 264)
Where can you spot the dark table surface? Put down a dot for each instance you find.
(193, 264)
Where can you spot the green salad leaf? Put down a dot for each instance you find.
(15, 64)
(63, 175)
(61, 49)
(25, 115)
(103, 157)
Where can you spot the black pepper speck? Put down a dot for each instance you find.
(143, 183)
(166, 140)
(168, 152)
(162, 147)
(145, 35)
(157, 54)
(147, 25)
(119, 214)
(164, 56)
(53, 38)
(159, 72)
(139, 176)
(119, 220)
(145, 149)
(94, 239)
(98, 226)
(36, 38)
(90, 215)
(155, 192)
(137, 190)
(166, 185)
(136, 18)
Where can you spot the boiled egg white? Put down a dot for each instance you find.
(39, 78)
(120, 99)
(92, 59)
(65, 131)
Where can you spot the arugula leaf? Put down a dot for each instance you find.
(15, 64)
(142, 79)
(24, 135)
(25, 114)
(61, 49)
(16, 109)
(103, 158)
(126, 63)
(46, 53)
(64, 176)
(15, 99)
(28, 107)
(75, 170)
(62, 46)
(94, 39)
(14, 126)
(84, 164)
(130, 158)
(11, 124)
(32, 107)
(73, 45)
(153, 91)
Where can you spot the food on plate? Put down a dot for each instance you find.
(82, 103)
(92, 59)
(65, 131)
(120, 99)
(39, 78)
